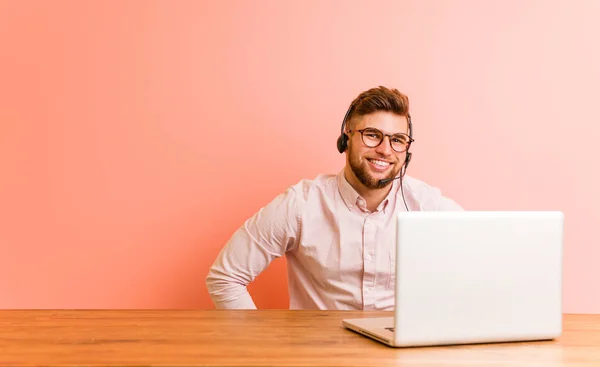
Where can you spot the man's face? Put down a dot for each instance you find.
(370, 165)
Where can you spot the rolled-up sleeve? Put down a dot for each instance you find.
(265, 236)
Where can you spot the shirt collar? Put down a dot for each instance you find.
(353, 200)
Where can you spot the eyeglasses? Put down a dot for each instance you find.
(372, 137)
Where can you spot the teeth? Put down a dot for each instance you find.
(380, 163)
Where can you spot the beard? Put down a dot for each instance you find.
(360, 171)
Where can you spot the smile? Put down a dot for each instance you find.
(379, 164)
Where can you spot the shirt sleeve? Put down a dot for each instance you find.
(443, 203)
(430, 198)
(265, 236)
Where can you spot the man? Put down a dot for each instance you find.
(336, 231)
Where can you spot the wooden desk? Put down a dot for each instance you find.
(253, 338)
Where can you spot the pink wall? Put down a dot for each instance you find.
(137, 136)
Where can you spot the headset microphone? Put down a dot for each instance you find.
(386, 180)
(402, 172)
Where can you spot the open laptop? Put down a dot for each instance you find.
(473, 277)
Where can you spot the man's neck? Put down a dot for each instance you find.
(373, 197)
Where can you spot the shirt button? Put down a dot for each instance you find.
(369, 257)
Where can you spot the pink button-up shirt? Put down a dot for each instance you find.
(339, 254)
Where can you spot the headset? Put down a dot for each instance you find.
(342, 145)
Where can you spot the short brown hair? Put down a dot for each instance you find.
(379, 99)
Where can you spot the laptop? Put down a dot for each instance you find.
(470, 277)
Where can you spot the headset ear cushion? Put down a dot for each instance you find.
(341, 143)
